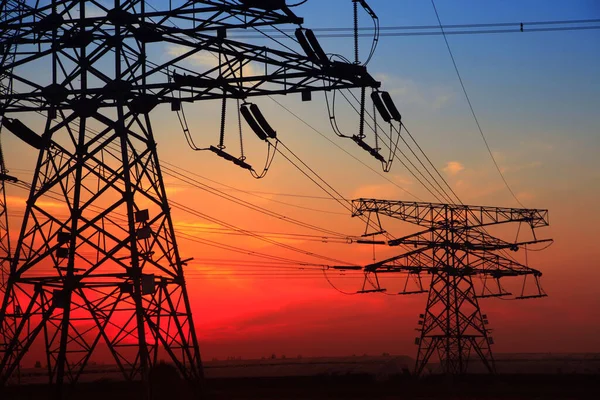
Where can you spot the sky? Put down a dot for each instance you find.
(536, 96)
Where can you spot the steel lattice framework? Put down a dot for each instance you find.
(13, 11)
(454, 248)
(4, 238)
(96, 268)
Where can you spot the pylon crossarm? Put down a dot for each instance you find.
(496, 265)
(282, 73)
(235, 70)
(432, 214)
(416, 258)
(472, 239)
(479, 263)
(215, 15)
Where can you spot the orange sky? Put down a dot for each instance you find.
(252, 311)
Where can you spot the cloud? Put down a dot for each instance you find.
(194, 227)
(517, 168)
(453, 168)
(383, 191)
(22, 201)
(207, 60)
(292, 318)
(202, 59)
(173, 190)
(93, 11)
(526, 196)
(407, 92)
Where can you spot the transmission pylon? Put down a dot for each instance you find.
(96, 270)
(455, 248)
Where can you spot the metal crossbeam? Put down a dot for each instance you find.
(462, 216)
(234, 69)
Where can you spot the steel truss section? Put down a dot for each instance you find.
(9, 10)
(237, 69)
(5, 251)
(96, 270)
(454, 248)
(462, 216)
(453, 326)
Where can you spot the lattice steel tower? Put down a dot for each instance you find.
(454, 248)
(96, 268)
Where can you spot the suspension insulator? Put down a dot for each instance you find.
(314, 43)
(229, 157)
(389, 103)
(368, 9)
(23, 132)
(305, 45)
(244, 109)
(385, 115)
(263, 122)
(368, 148)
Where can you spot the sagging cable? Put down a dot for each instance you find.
(186, 129)
(257, 122)
(385, 106)
(376, 28)
(261, 127)
(372, 287)
(388, 111)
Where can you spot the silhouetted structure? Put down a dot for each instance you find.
(7, 56)
(5, 250)
(454, 248)
(96, 267)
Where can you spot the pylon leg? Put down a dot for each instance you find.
(453, 327)
(97, 275)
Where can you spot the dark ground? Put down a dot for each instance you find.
(513, 387)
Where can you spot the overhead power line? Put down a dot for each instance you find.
(471, 107)
(434, 30)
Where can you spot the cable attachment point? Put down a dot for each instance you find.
(385, 106)
(311, 46)
(257, 122)
(368, 148)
